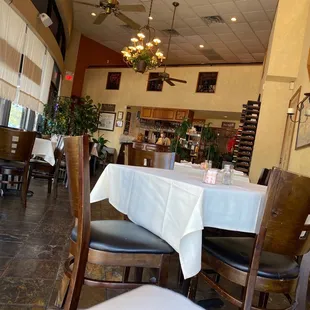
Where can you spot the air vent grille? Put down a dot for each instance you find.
(173, 32)
(212, 55)
(216, 19)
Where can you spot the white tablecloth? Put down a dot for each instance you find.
(148, 298)
(45, 149)
(176, 206)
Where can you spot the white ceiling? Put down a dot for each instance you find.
(243, 41)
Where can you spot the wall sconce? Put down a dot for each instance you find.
(300, 108)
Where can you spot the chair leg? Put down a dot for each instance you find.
(126, 274)
(62, 292)
(49, 186)
(163, 271)
(263, 300)
(55, 188)
(24, 187)
(192, 288)
(138, 274)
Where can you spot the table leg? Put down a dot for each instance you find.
(302, 288)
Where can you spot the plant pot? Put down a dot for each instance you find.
(141, 66)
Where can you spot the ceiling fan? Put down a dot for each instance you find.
(112, 6)
(164, 76)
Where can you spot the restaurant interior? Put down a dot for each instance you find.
(154, 154)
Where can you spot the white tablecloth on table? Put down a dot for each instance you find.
(176, 206)
(148, 298)
(45, 149)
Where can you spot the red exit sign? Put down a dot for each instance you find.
(69, 76)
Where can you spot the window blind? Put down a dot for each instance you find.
(12, 36)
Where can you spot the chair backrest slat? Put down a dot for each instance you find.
(77, 162)
(16, 145)
(136, 157)
(286, 220)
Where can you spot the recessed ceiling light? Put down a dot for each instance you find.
(150, 18)
(201, 46)
(233, 19)
(93, 14)
(225, 116)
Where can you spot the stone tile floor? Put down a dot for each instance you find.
(34, 244)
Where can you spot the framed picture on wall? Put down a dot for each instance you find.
(154, 85)
(119, 123)
(303, 131)
(120, 115)
(114, 80)
(107, 121)
(206, 82)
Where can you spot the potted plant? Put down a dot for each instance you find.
(142, 61)
(102, 153)
(209, 138)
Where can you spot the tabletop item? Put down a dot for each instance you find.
(176, 205)
(45, 149)
(227, 175)
(150, 298)
(209, 176)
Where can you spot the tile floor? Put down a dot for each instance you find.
(34, 244)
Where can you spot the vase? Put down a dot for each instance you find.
(141, 66)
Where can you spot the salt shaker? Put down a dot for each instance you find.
(209, 176)
(227, 175)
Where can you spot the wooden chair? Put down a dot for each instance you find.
(40, 169)
(136, 157)
(15, 153)
(110, 243)
(267, 263)
(264, 177)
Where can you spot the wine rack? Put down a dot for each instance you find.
(246, 136)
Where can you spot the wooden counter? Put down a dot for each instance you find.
(150, 147)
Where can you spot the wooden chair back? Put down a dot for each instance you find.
(264, 177)
(77, 162)
(136, 157)
(285, 224)
(16, 145)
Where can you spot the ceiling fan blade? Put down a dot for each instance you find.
(169, 82)
(90, 4)
(132, 8)
(100, 18)
(155, 80)
(177, 80)
(127, 21)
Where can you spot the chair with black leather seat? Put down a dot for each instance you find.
(266, 263)
(264, 177)
(15, 153)
(106, 243)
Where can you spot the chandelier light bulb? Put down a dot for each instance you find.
(140, 47)
(149, 44)
(134, 40)
(140, 35)
(156, 41)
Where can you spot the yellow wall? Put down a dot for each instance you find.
(70, 62)
(230, 94)
(282, 67)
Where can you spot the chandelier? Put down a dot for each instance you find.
(144, 54)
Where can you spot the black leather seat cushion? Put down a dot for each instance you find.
(236, 252)
(124, 237)
(7, 164)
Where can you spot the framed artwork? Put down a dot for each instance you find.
(303, 131)
(114, 80)
(107, 107)
(120, 115)
(228, 125)
(107, 121)
(119, 123)
(154, 85)
(206, 82)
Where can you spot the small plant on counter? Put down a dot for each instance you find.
(180, 132)
(102, 153)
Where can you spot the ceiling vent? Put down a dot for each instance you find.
(212, 55)
(173, 32)
(210, 20)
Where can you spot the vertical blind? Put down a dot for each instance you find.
(12, 37)
(19, 45)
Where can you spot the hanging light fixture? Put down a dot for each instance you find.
(144, 54)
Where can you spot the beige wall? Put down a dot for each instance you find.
(70, 62)
(300, 159)
(282, 67)
(230, 94)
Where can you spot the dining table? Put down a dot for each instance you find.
(44, 148)
(176, 206)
